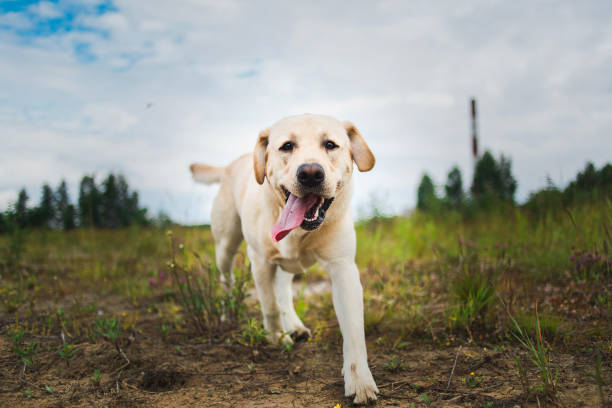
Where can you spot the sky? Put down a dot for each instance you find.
(145, 88)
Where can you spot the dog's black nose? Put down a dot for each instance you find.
(310, 175)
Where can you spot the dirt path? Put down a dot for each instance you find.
(175, 372)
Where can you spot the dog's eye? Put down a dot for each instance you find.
(287, 147)
(329, 145)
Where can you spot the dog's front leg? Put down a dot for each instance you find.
(264, 276)
(348, 302)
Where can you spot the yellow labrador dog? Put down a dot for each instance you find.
(290, 201)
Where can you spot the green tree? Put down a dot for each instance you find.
(454, 188)
(590, 183)
(111, 203)
(89, 203)
(493, 180)
(44, 214)
(426, 195)
(130, 212)
(507, 180)
(69, 218)
(3, 223)
(65, 212)
(21, 209)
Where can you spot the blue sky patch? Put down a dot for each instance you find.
(59, 18)
(16, 6)
(54, 18)
(83, 53)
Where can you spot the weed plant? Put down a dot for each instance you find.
(539, 354)
(110, 330)
(95, 378)
(207, 302)
(253, 333)
(25, 351)
(67, 352)
(471, 289)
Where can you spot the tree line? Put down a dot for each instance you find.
(493, 186)
(110, 204)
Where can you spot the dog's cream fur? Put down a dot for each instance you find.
(249, 203)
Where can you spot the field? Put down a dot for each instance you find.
(501, 310)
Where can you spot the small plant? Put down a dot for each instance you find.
(539, 354)
(472, 293)
(207, 302)
(393, 364)
(253, 333)
(67, 352)
(472, 380)
(95, 378)
(423, 397)
(26, 352)
(110, 329)
(523, 378)
(16, 337)
(472, 296)
(590, 265)
(27, 393)
(166, 328)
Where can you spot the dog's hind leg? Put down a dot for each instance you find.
(284, 295)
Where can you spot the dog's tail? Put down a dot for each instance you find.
(203, 173)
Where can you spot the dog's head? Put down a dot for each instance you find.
(307, 160)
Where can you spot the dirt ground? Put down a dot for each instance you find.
(179, 370)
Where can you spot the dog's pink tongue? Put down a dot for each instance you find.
(292, 215)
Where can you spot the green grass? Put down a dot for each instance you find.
(539, 354)
(439, 280)
(541, 246)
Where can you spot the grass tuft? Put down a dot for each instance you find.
(539, 354)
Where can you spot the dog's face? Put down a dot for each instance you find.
(307, 160)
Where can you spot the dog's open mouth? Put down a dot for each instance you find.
(307, 212)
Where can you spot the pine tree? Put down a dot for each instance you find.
(111, 205)
(493, 180)
(69, 218)
(454, 188)
(89, 203)
(508, 182)
(65, 212)
(590, 184)
(426, 195)
(44, 215)
(21, 209)
(3, 223)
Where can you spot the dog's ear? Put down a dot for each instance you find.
(363, 157)
(260, 155)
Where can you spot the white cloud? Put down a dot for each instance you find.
(215, 73)
(17, 21)
(45, 10)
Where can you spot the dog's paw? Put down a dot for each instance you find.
(279, 338)
(301, 333)
(294, 326)
(358, 381)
